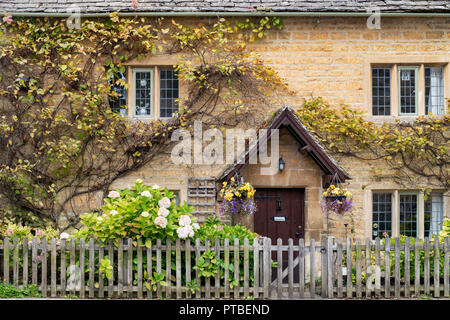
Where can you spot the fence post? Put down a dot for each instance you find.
(6, 260)
(91, 268)
(226, 259)
(140, 293)
(168, 268)
(236, 268)
(120, 269)
(446, 267)
(426, 267)
(330, 267)
(387, 267)
(256, 268)
(267, 267)
(188, 265)
(368, 268)
(149, 247)
(417, 266)
(217, 277)
(178, 268)
(53, 268)
(312, 272)
(301, 267)
(25, 262)
(324, 275)
(82, 275)
(397, 267)
(63, 267)
(349, 269)
(358, 257)
(407, 267)
(16, 262)
(130, 269)
(246, 268)
(101, 285)
(72, 262)
(339, 269)
(377, 268)
(437, 256)
(111, 259)
(44, 267)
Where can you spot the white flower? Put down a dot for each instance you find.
(99, 219)
(196, 226)
(146, 193)
(184, 232)
(155, 186)
(138, 180)
(163, 212)
(113, 194)
(161, 222)
(164, 202)
(184, 220)
(145, 214)
(64, 235)
(113, 212)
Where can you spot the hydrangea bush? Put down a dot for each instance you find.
(139, 212)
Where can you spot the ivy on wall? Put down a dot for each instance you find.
(416, 153)
(60, 140)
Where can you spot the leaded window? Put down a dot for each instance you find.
(434, 214)
(168, 93)
(381, 91)
(118, 103)
(381, 214)
(407, 77)
(408, 214)
(143, 92)
(434, 90)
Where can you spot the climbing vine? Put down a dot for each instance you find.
(416, 152)
(60, 142)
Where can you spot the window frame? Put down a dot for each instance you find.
(416, 88)
(394, 62)
(133, 104)
(391, 231)
(408, 193)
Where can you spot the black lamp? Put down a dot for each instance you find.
(281, 164)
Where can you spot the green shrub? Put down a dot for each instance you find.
(9, 291)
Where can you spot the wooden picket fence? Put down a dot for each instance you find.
(292, 270)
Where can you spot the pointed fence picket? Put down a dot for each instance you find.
(259, 269)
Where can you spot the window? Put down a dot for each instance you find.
(408, 90)
(155, 92)
(119, 103)
(381, 91)
(434, 90)
(407, 77)
(434, 214)
(408, 214)
(168, 88)
(381, 214)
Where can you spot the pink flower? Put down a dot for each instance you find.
(39, 233)
(7, 18)
(134, 3)
(9, 232)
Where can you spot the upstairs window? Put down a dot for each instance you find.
(407, 77)
(381, 91)
(401, 90)
(434, 90)
(155, 92)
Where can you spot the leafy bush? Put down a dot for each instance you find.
(140, 212)
(9, 291)
(13, 230)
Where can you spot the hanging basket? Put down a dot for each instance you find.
(334, 198)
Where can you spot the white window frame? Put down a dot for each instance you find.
(133, 96)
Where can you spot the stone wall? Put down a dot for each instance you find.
(328, 57)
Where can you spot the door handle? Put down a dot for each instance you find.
(297, 234)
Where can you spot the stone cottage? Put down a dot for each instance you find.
(388, 58)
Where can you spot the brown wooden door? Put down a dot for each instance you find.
(280, 213)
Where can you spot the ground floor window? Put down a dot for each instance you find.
(405, 215)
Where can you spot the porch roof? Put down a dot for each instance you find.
(286, 118)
